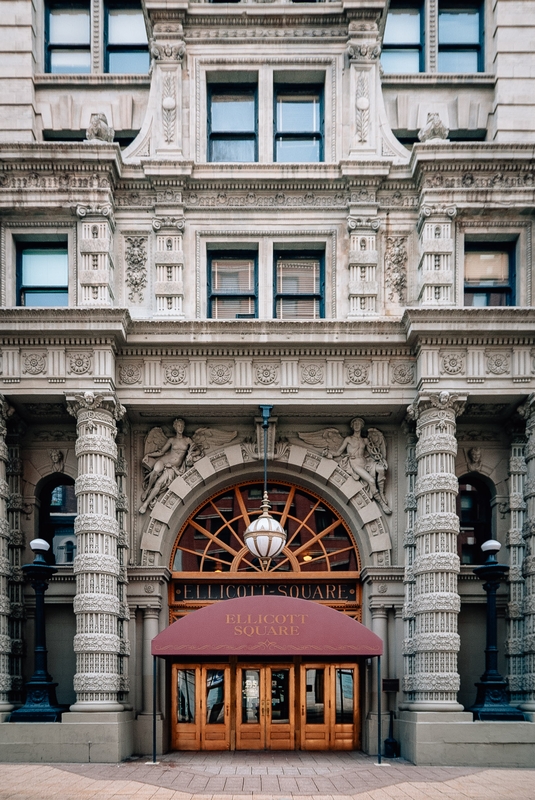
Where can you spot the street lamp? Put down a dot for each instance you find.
(41, 704)
(265, 537)
(492, 700)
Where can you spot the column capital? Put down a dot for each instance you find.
(93, 401)
(527, 408)
(440, 400)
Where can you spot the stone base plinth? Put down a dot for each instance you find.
(455, 740)
(81, 738)
(143, 735)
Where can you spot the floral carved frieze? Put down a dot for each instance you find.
(130, 374)
(266, 374)
(403, 373)
(312, 374)
(498, 363)
(33, 363)
(220, 374)
(358, 372)
(452, 363)
(396, 258)
(135, 256)
(80, 363)
(175, 374)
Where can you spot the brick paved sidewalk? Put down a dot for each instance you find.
(262, 776)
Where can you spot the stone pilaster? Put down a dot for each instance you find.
(97, 607)
(5, 568)
(409, 545)
(436, 604)
(122, 556)
(528, 412)
(515, 545)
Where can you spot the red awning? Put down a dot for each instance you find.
(274, 626)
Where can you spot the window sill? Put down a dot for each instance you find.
(103, 79)
(439, 79)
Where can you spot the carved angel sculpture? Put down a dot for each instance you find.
(168, 456)
(364, 457)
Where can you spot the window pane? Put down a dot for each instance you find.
(69, 26)
(398, 62)
(307, 308)
(459, 61)
(215, 696)
(186, 695)
(70, 62)
(298, 277)
(238, 150)
(132, 62)
(231, 307)
(45, 267)
(486, 268)
(315, 702)
(234, 277)
(233, 113)
(344, 696)
(298, 113)
(280, 696)
(35, 298)
(458, 27)
(251, 696)
(126, 26)
(403, 26)
(297, 150)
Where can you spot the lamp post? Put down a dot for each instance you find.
(41, 704)
(492, 699)
(265, 537)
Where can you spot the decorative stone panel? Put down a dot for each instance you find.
(436, 284)
(96, 273)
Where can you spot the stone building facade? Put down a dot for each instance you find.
(281, 209)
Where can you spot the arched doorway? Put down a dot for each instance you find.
(264, 702)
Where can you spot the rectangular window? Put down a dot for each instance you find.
(232, 286)
(489, 274)
(67, 38)
(299, 286)
(42, 275)
(298, 124)
(232, 123)
(460, 37)
(125, 35)
(403, 50)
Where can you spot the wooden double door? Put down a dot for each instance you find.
(254, 706)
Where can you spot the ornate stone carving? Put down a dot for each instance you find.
(56, 460)
(130, 373)
(363, 108)
(312, 374)
(358, 372)
(403, 373)
(364, 457)
(168, 222)
(174, 374)
(165, 51)
(266, 374)
(167, 456)
(452, 363)
(99, 130)
(364, 52)
(80, 363)
(498, 363)
(434, 130)
(220, 374)
(136, 271)
(169, 107)
(396, 267)
(474, 459)
(34, 364)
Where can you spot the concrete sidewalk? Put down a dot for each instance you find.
(262, 776)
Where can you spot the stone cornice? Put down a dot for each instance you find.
(72, 324)
(459, 325)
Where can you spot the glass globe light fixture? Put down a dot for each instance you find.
(265, 537)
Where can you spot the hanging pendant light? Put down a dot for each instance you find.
(265, 537)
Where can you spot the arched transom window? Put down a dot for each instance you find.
(212, 538)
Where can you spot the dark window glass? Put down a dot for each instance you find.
(185, 695)
(232, 124)
(475, 516)
(127, 50)
(403, 50)
(315, 696)
(344, 681)
(232, 286)
(42, 275)
(67, 38)
(298, 124)
(298, 286)
(460, 38)
(215, 697)
(489, 275)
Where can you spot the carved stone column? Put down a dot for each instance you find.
(5, 570)
(528, 412)
(15, 508)
(121, 474)
(97, 643)
(436, 605)
(515, 544)
(411, 469)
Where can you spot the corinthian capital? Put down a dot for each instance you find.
(527, 409)
(92, 401)
(6, 411)
(440, 400)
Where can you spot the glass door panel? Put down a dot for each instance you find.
(345, 730)
(314, 727)
(215, 705)
(250, 722)
(186, 734)
(329, 707)
(280, 732)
